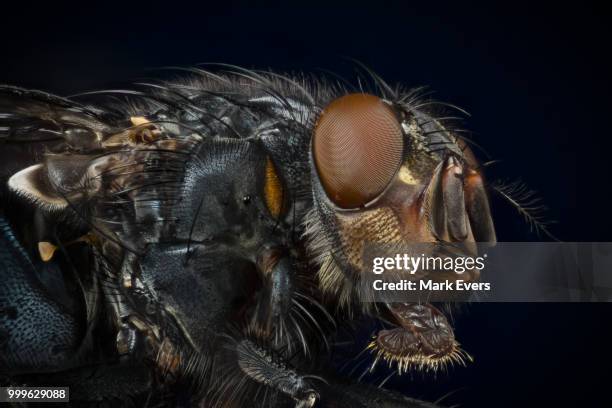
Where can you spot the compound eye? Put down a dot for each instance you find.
(358, 148)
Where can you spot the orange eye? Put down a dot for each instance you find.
(357, 148)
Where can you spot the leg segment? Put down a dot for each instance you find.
(270, 370)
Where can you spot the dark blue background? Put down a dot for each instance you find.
(536, 79)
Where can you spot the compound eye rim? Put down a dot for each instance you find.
(358, 148)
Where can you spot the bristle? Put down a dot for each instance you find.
(406, 363)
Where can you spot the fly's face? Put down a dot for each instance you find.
(387, 175)
(378, 179)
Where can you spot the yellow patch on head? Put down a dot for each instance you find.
(406, 176)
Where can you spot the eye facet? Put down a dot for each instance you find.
(357, 149)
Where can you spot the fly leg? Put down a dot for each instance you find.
(270, 370)
(274, 301)
(285, 317)
(285, 311)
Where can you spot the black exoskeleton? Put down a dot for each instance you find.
(199, 242)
